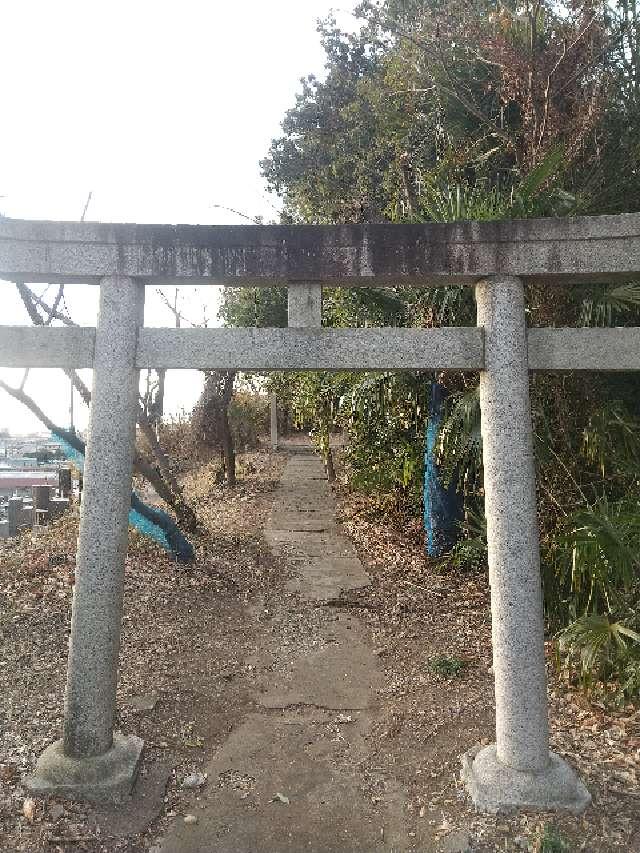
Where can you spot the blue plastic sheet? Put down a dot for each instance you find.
(442, 504)
(150, 521)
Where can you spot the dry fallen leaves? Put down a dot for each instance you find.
(29, 807)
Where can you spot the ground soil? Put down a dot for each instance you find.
(419, 611)
(198, 641)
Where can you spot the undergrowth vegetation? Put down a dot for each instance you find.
(183, 440)
(450, 111)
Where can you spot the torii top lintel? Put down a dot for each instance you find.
(578, 249)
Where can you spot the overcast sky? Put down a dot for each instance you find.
(161, 110)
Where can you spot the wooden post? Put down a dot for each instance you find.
(274, 422)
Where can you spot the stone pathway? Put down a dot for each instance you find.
(288, 778)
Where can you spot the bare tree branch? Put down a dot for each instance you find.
(86, 206)
(52, 310)
(140, 464)
(161, 478)
(26, 400)
(256, 220)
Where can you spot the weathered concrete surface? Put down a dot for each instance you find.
(522, 726)
(108, 776)
(495, 788)
(102, 540)
(328, 349)
(325, 578)
(14, 515)
(612, 350)
(302, 527)
(453, 348)
(512, 530)
(338, 677)
(579, 248)
(44, 346)
(284, 755)
(304, 304)
(312, 726)
(131, 815)
(584, 349)
(88, 762)
(300, 543)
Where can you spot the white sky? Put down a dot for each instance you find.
(161, 110)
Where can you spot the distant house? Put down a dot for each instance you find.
(19, 462)
(20, 482)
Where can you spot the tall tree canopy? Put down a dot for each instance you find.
(474, 94)
(441, 110)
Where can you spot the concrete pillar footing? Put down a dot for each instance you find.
(496, 788)
(110, 776)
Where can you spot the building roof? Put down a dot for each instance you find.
(24, 479)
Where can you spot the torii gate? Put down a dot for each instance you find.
(496, 257)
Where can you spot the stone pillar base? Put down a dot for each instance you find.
(495, 788)
(103, 777)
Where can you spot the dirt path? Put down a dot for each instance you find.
(288, 778)
(288, 700)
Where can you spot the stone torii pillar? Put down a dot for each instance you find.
(518, 771)
(90, 761)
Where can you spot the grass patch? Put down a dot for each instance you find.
(552, 841)
(447, 666)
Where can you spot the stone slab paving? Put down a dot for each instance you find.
(287, 779)
(337, 677)
(300, 543)
(325, 578)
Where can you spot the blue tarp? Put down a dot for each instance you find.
(442, 504)
(150, 521)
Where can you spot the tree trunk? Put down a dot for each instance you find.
(211, 420)
(158, 409)
(228, 452)
(226, 438)
(141, 465)
(331, 470)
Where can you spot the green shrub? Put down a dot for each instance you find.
(447, 666)
(552, 841)
(248, 419)
(384, 415)
(591, 559)
(470, 552)
(599, 652)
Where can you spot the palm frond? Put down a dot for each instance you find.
(594, 556)
(606, 304)
(599, 645)
(460, 440)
